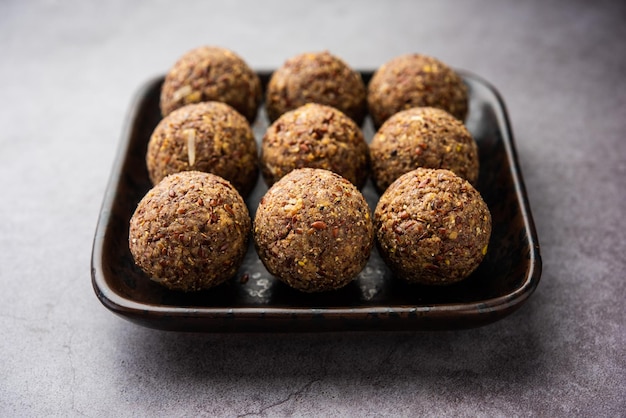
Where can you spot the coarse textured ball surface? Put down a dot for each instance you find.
(190, 232)
(432, 227)
(315, 136)
(422, 137)
(313, 230)
(210, 137)
(211, 73)
(318, 77)
(415, 80)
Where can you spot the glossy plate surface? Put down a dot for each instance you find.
(255, 301)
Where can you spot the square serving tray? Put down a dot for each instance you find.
(255, 301)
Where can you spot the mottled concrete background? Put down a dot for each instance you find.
(68, 71)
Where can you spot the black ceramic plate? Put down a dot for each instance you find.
(255, 301)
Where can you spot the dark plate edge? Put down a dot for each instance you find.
(410, 317)
(536, 264)
(106, 296)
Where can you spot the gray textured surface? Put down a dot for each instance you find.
(68, 70)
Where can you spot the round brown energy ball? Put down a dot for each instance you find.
(210, 137)
(211, 73)
(190, 232)
(317, 77)
(314, 136)
(432, 227)
(313, 230)
(415, 80)
(422, 137)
